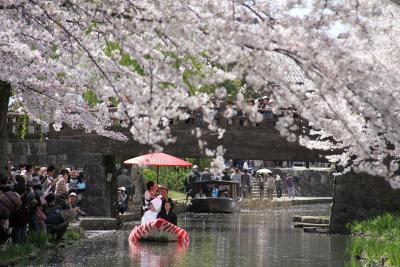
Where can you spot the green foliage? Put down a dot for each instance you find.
(114, 101)
(22, 124)
(174, 177)
(38, 240)
(61, 76)
(175, 195)
(73, 234)
(92, 26)
(126, 59)
(382, 239)
(15, 250)
(202, 163)
(90, 98)
(33, 242)
(171, 177)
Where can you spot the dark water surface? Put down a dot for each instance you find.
(264, 238)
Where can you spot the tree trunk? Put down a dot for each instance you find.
(5, 93)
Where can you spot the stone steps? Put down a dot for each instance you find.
(311, 219)
(315, 225)
(316, 230)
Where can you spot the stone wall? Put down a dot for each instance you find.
(361, 196)
(313, 182)
(48, 152)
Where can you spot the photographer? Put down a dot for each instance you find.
(74, 205)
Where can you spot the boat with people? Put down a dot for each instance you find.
(216, 196)
(158, 221)
(159, 230)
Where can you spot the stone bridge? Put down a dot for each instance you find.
(242, 140)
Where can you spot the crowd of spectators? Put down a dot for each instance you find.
(39, 200)
(247, 177)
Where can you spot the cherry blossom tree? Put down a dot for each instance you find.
(332, 60)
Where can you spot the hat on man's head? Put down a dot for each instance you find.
(195, 167)
(73, 194)
(157, 203)
(122, 188)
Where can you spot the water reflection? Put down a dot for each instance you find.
(157, 254)
(243, 239)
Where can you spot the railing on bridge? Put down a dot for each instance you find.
(22, 127)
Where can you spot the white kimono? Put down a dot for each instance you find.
(149, 216)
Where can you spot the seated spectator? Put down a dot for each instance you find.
(122, 200)
(154, 209)
(74, 205)
(200, 194)
(214, 192)
(55, 223)
(167, 213)
(225, 194)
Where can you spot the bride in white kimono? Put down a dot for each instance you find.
(151, 214)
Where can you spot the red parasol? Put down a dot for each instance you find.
(158, 159)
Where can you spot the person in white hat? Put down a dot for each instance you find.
(151, 214)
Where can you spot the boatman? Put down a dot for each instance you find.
(191, 179)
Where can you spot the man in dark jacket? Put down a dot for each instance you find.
(55, 222)
(193, 176)
(167, 214)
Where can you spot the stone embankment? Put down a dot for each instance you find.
(311, 224)
(260, 204)
(359, 197)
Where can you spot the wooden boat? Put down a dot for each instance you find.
(226, 201)
(159, 230)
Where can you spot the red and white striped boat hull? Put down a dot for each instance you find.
(159, 230)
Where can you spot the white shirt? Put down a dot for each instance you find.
(236, 177)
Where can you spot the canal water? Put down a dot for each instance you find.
(249, 238)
